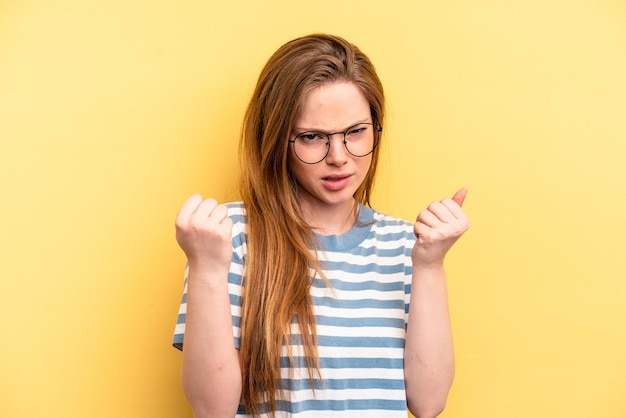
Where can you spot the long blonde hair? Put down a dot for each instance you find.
(279, 261)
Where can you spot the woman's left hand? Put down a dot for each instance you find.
(437, 228)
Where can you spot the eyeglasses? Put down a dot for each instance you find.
(312, 147)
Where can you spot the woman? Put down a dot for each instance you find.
(311, 284)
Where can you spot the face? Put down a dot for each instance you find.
(331, 183)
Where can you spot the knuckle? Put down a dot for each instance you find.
(223, 210)
(438, 235)
(183, 224)
(462, 226)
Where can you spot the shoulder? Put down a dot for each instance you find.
(237, 214)
(387, 231)
(383, 221)
(235, 209)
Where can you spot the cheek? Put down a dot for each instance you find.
(295, 167)
(366, 164)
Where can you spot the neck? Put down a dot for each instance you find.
(331, 220)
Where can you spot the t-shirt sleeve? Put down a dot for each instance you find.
(235, 280)
(179, 331)
(408, 270)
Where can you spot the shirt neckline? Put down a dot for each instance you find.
(351, 238)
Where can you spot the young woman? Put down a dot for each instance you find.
(302, 300)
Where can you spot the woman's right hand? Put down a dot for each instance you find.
(211, 375)
(204, 232)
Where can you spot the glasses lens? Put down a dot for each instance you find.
(360, 139)
(311, 147)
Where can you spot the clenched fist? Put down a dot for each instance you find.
(437, 228)
(204, 232)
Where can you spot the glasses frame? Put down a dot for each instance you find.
(378, 129)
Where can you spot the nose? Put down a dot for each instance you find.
(337, 152)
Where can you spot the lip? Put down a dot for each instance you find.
(336, 182)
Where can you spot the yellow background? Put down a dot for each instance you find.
(113, 112)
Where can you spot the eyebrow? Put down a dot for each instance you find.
(297, 129)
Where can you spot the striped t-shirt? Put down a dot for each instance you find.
(360, 321)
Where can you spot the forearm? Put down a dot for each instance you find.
(210, 374)
(429, 356)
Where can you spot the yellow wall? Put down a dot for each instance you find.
(113, 112)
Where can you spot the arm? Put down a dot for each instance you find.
(211, 375)
(428, 355)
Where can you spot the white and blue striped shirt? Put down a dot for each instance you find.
(360, 321)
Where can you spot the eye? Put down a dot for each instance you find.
(357, 130)
(311, 137)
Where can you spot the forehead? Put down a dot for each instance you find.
(333, 106)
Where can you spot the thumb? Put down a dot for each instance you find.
(459, 197)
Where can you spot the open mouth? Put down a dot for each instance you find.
(336, 178)
(337, 182)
